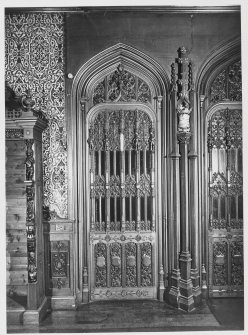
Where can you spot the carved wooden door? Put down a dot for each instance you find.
(225, 203)
(122, 205)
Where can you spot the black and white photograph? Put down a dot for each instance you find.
(123, 164)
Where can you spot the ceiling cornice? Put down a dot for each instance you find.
(149, 9)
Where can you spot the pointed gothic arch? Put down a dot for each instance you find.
(145, 69)
(224, 54)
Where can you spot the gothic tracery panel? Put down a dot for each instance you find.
(121, 86)
(227, 84)
(225, 187)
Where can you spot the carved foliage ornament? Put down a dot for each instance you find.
(14, 133)
(121, 86)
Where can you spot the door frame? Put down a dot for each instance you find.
(82, 86)
(91, 114)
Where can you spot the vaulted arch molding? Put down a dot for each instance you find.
(224, 54)
(107, 61)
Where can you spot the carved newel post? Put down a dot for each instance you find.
(186, 300)
(28, 124)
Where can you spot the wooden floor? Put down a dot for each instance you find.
(145, 316)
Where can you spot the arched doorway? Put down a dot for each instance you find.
(118, 136)
(221, 165)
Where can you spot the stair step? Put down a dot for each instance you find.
(17, 289)
(14, 224)
(21, 261)
(17, 277)
(17, 246)
(13, 203)
(15, 312)
(13, 210)
(16, 235)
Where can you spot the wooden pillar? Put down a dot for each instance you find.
(194, 192)
(186, 300)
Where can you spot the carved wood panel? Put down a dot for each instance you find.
(122, 201)
(225, 178)
(60, 264)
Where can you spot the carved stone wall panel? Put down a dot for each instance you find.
(34, 49)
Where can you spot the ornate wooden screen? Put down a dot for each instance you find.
(225, 203)
(122, 205)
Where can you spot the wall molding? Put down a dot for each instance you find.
(149, 9)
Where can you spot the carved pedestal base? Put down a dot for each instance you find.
(186, 301)
(174, 292)
(196, 290)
